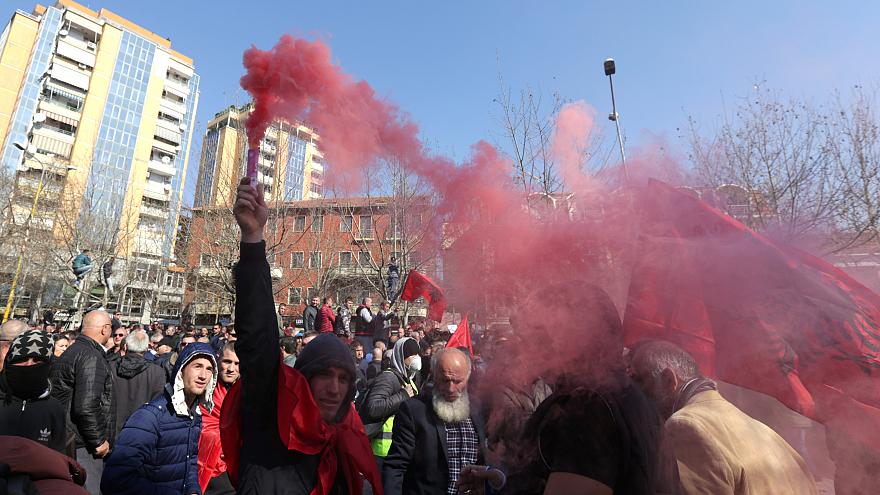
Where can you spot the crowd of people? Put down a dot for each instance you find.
(355, 402)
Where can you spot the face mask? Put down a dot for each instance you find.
(416, 364)
(28, 382)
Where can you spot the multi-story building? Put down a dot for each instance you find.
(290, 165)
(96, 120)
(336, 247)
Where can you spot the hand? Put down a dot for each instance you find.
(472, 479)
(102, 449)
(77, 472)
(250, 211)
(409, 390)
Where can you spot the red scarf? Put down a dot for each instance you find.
(301, 428)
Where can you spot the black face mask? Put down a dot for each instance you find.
(27, 382)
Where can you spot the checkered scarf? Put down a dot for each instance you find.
(461, 450)
(33, 344)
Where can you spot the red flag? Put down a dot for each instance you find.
(757, 313)
(418, 285)
(462, 336)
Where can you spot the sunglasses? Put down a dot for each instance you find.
(119, 335)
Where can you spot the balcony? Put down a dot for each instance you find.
(172, 136)
(352, 270)
(153, 211)
(161, 168)
(154, 190)
(76, 50)
(148, 243)
(54, 133)
(53, 108)
(70, 74)
(173, 108)
(179, 88)
(164, 147)
(46, 143)
(209, 271)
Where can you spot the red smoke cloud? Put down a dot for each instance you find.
(529, 255)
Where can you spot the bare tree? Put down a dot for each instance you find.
(854, 149)
(776, 151)
(527, 119)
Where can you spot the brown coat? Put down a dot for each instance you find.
(722, 451)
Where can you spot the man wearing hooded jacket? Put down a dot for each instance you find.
(287, 430)
(26, 407)
(156, 451)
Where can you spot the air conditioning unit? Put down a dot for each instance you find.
(91, 45)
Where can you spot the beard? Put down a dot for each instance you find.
(452, 412)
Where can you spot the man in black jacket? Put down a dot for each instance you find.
(83, 382)
(435, 434)
(310, 314)
(26, 408)
(267, 464)
(136, 380)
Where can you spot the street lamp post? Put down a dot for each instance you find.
(27, 231)
(609, 71)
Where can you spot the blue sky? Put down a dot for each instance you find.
(439, 60)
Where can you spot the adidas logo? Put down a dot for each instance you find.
(44, 434)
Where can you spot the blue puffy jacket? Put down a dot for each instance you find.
(157, 450)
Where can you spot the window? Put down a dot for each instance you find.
(364, 258)
(315, 259)
(206, 259)
(345, 258)
(393, 230)
(299, 224)
(312, 293)
(345, 223)
(270, 257)
(366, 231)
(297, 259)
(317, 223)
(294, 295)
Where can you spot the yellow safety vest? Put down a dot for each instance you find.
(381, 444)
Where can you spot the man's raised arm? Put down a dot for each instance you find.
(255, 321)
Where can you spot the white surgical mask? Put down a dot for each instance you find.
(416, 364)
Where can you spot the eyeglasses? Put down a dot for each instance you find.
(119, 335)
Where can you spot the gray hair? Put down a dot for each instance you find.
(137, 341)
(156, 337)
(435, 358)
(654, 356)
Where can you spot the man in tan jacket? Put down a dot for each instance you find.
(720, 450)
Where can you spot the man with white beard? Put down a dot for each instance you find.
(435, 433)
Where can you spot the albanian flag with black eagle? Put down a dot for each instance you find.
(418, 285)
(757, 313)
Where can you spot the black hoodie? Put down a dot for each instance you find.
(137, 381)
(41, 419)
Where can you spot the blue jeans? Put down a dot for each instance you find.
(82, 271)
